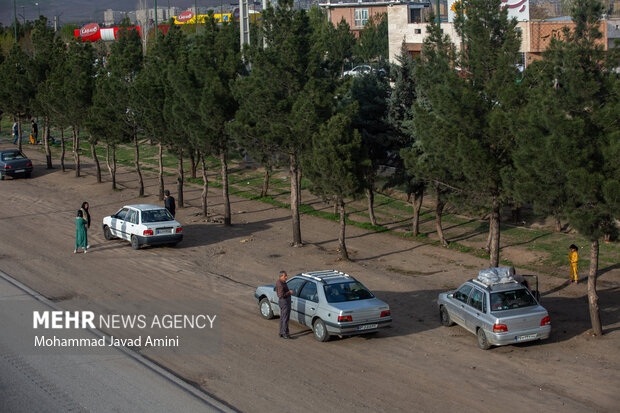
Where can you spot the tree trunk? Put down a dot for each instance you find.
(76, 150)
(558, 223)
(341, 237)
(439, 206)
(93, 153)
(418, 196)
(595, 316)
(111, 166)
(263, 192)
(46, 144)
(161, 172)
(495, 238)
(298, 187)
(293, 171)
(370, 195)
(487, 248)
(224, 171)
(180, 179)
(62, 149)
(138, 171)
(205, 185)
(192, 164)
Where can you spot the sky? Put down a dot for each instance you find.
(82, 11)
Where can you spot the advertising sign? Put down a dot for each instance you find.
(519, 9)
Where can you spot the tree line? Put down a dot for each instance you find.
(459, 122)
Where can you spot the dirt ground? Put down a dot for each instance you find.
(417, 365)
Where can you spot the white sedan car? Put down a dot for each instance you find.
(143, 224)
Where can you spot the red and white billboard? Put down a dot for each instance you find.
(92, 32)
(185, 16)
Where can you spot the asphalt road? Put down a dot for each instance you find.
(119, 380)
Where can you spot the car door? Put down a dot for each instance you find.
(295, 285)
(458, 303)
(475, 309)
(307, 302)
(131, 223)
(117, 223)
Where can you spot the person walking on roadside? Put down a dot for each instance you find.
(573, 257)
(35, 132)
(81, 239)
(86, 216)
(169, 203)
(284, 301)
(15, 133)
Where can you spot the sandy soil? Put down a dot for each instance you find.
(417, 365)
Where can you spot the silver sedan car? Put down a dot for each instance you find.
(330, 302)
(498, 314)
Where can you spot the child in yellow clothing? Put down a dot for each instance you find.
(573, 257)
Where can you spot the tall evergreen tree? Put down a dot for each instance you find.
(575, 129)
(285, 96)
(337, 165)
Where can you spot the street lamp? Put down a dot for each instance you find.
(38, 8)
(15, 19)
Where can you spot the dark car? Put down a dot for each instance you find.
(14, 162)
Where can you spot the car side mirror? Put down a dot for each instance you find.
(450, 295)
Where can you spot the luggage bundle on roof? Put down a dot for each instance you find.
(496, 275)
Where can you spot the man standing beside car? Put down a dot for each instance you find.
(169, 202)
(284, 301)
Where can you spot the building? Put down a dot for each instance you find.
(113, 17)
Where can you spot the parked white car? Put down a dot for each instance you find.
(143, 224)
(358, 71)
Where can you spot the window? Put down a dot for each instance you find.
(156, 215)
(295, 284)
(10, 156)
(361, 17)
(477, 299)
(121, 214)
(418, 31)
(508, 300)
(463, 293)
(415, 15)
(132, 216)
(347, 291)
(309, 292)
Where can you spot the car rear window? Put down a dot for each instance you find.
(156, 215)
(508, 300)
(9, 156)
(346, 291)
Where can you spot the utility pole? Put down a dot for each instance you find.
(244, 21)
(15, 19)
(155, 20)
(196, 14)
(438, 15)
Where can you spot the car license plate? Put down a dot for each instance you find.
(524, 338)
(18, 171)
(164, 231)
(368, 326)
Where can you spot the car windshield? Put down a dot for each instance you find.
(508, 300)
(156, 215)
(9, 156)
(346, 291)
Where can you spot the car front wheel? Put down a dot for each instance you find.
(107, 234)
(445, 317)
(265, 309)
(483, 343)
(135, 244)
(320, 332)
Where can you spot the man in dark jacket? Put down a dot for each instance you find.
(284, 301)
(169, 203)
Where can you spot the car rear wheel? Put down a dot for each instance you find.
(483, 343)
(445, 317)
(135, 244)
(107, 234)
(265, 309)
(1, 176)
(320, 332)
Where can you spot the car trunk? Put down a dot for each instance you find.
(362, 310)
(162, 228)
(521, 319)
(18, 164)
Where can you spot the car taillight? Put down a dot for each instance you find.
(386, 313)
(148, 232)
(344, 318)
(500, 328)
(29, 164)
(179, 229)
(7, 166)
(545, 321)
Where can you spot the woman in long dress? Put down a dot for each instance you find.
(81, 240)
